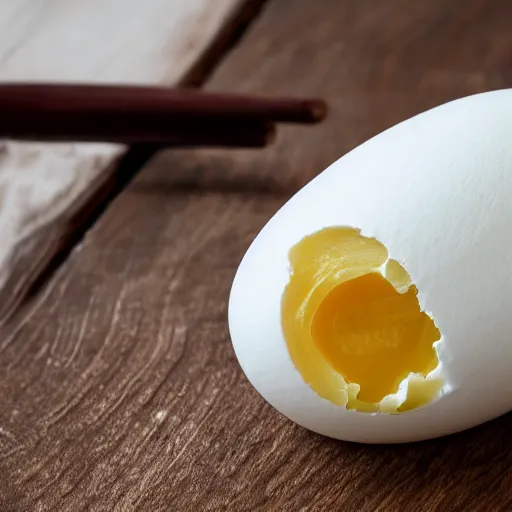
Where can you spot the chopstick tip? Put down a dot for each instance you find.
(318, 109)
(270, 134)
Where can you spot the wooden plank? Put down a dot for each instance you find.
(119, 386)
(113, 41)
(48, 187)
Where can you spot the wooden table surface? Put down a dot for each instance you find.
(119, 388)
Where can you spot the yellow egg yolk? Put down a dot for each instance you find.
(353, 324)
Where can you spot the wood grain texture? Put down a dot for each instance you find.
(119, 387)
(46, 186)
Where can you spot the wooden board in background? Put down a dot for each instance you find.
(120, 390)
(46, 189)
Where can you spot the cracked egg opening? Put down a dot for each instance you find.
(354, 327)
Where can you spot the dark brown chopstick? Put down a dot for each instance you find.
(146, 114)
(137, 131)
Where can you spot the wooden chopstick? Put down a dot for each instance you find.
(130, 114)
(138, 131)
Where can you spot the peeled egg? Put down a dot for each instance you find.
(376, 305)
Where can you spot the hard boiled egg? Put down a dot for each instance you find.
(376, 305)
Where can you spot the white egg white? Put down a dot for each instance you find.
(436, 190)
